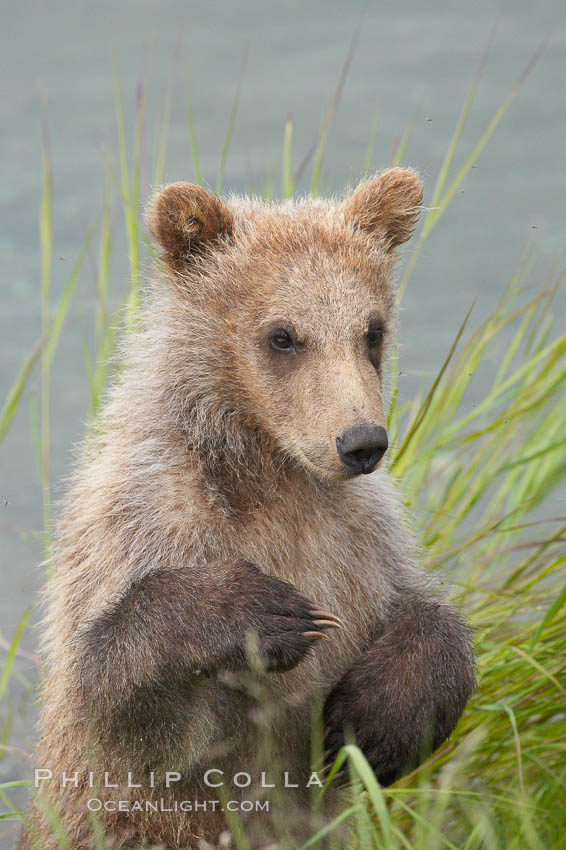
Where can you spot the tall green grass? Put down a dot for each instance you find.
(477, 477)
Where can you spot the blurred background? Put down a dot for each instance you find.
(387, 73)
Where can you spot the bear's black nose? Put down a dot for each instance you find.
(362, 447)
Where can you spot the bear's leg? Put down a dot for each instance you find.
(184, 622)
(403, 697)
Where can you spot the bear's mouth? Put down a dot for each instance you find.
(312, 462)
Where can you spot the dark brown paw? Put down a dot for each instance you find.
(391, 748)
(403, 697)
(284, 624)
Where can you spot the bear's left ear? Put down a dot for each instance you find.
(386, 206)
(183, 219)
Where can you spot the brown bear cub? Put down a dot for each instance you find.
(222, 520)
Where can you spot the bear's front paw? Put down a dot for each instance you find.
(282, 624)
(394, 738)
(386, 742)
(404, 697)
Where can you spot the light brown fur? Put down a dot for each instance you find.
(210, 449)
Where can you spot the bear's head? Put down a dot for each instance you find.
(279, 315)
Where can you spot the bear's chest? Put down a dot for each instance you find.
(334, 551)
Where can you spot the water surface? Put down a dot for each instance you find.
(412, 61)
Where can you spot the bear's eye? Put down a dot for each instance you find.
(374, 335)
(280, 340)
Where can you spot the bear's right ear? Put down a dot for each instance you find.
(183, 219)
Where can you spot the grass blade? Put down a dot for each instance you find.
(230, 130)
(9, 662)
(11, 404)
(288, 186)
(193, 139)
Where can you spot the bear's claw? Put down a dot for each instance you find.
(316, 636)
(324, 615)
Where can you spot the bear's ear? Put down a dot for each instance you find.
(183, 219)
(386, 206)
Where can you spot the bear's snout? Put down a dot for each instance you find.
(362, 447)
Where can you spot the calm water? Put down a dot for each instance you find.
(412, 59)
